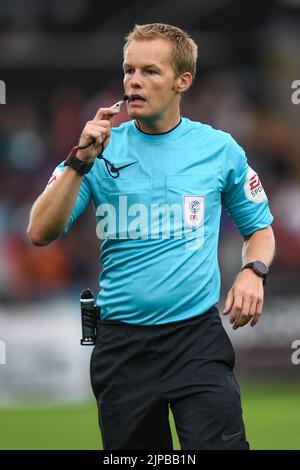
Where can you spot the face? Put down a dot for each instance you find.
(149, 79)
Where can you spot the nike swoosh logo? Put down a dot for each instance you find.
(226, 437)
(124, 166)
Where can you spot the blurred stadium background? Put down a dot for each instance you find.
(60, 61)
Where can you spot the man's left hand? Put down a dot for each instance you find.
(245, 299)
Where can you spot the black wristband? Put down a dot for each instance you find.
(78, 165)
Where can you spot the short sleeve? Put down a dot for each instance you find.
(83, 198)
(243, 197)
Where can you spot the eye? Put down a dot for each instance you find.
(151, 72)
(128, 71)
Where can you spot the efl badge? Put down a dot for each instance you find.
(194, 210)
(253, 188)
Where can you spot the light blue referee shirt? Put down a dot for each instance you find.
(158, 223)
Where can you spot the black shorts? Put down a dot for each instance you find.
(137, 372)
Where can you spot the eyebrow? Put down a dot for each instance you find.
(126, 65)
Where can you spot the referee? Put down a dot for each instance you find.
(158, 189)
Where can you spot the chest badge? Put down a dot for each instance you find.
(194, 210)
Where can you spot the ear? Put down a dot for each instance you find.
(183, 82)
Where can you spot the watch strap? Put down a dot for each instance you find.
(259, 273)
(78, 165)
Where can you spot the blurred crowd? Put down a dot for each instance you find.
(39, 127)
(33, 142)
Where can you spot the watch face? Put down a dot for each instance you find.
(260, 267)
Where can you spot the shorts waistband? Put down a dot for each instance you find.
(186, 321)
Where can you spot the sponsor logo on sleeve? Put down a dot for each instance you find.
(253, 188)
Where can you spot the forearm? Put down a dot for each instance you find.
(259, 246)
(245, 299)
(51, 211)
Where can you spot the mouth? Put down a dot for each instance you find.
(136, 99)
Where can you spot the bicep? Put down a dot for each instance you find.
(81, 203)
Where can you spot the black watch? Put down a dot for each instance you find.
(259, 268)
(79, 165)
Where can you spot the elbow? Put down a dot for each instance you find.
(36, 237)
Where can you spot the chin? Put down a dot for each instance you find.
(136, 114)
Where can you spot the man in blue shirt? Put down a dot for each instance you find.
(158, 190)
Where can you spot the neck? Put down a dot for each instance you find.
(159, 125)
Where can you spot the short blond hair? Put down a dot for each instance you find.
(185, 50)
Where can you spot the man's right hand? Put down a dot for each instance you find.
(97, 134)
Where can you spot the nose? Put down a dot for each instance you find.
(136, 80)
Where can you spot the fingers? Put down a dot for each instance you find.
(101, 131)
(237, 307)
(246, 313)
(245, 307)
(96, 134)
(95, 131)
(100, 122)
(105, 113)
(228, 303)
(258, 313)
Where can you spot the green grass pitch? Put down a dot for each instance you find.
(271, 414)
